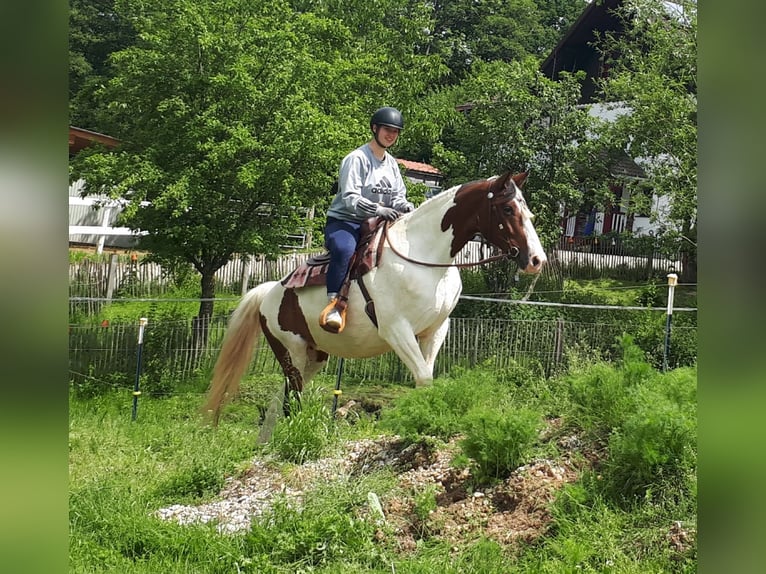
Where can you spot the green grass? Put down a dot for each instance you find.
(643, 423)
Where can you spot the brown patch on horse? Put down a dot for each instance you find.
(292, 373)
(291, 317)
(487, 200)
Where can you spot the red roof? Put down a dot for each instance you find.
(417, 166)
(80, 138)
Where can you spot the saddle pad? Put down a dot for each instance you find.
(308, 274)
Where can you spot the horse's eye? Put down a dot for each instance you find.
(507, 210)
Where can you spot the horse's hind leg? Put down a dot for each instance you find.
(291, 390)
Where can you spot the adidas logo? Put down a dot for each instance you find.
(384, 187)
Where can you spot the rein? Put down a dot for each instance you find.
(459, 265)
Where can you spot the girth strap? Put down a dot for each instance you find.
(369, 304)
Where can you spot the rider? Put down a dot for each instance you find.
(370, 184)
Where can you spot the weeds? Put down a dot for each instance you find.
(308, 432)
(637, 487)
(499, 441)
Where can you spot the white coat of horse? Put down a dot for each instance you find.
(415, 286)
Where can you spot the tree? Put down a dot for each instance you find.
(516, 119)
(232, 114)
(95, 31)
(653, 74)
(471, 31)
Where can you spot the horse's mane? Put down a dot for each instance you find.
(453, 190)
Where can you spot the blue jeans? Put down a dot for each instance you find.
(340, 239)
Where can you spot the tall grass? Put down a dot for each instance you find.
(636, 426)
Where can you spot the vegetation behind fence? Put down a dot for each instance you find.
(102, 356)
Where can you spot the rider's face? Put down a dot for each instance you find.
(387, 135)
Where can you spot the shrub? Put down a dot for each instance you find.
(598, 398)
(655, 445)
(194, 481)
(600, 394)
(325, 530)
(500, 441)
(437, 410)
(633, 364)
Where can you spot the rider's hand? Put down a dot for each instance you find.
(408, 207)
(387, 213)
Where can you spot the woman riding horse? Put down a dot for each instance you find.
(414, 286)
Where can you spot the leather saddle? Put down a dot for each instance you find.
(313, 272)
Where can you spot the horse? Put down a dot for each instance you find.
(413, 287)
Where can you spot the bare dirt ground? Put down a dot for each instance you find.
(515, 509)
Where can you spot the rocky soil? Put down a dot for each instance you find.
(516, 509)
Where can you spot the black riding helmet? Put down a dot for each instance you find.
(390, 117)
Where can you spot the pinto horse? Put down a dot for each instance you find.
(415, 285)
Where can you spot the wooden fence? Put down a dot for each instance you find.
(116, 276)
(595, 257)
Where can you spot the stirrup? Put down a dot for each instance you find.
(331, 319)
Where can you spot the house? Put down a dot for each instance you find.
(423, 173)
(92, 219)
(80, 138)
(575, 52)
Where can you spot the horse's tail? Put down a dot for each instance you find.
(242, 333)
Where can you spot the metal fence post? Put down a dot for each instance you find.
(337, 392)
(672, 282)
(136, 393)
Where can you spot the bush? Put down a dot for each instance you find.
(500, 441)
(195, 481)
(655, 445)
(598, 398)
(323, 531)
(601, 393)
(437, 410)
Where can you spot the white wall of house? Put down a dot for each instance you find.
(92, 220)
(642, 224)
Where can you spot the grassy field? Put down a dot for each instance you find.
(626, 431)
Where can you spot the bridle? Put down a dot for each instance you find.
(512, 254)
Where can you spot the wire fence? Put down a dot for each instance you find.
(174, 353)
(106, 355)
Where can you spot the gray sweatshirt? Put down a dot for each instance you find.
(366, 182)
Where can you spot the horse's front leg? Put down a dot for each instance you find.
(399, 335)
(431, 343)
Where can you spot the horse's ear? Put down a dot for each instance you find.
(520, 178)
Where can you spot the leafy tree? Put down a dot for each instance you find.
(468, 32)
(232, 114)
(95, 31)
(653, 73)
(517, 119)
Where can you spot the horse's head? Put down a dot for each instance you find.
(509, 224)
(496, 209)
